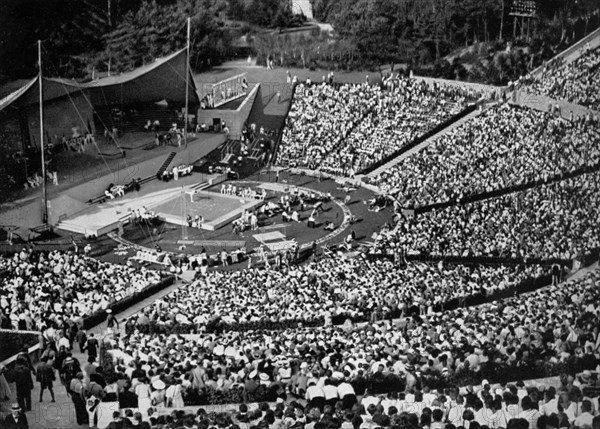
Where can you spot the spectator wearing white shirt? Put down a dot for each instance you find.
(64, 342)
(346, 393)
(528, 412)
(586, 418)
(550, 405)
(315, 395)
(330, 392)
(369, 399)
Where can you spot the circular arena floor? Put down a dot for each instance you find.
(187, 241)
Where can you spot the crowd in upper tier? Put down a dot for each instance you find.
(558, 220)
(577, 82)
(343, 129)
(502, 147)
(41, 288)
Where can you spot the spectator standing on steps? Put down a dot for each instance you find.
(77, 392)
(81, 339)
(45, 376)
(5, 392)
(555, 274)
(24, 384)
(92, 347)
(111, 321)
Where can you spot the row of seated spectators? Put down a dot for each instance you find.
(320, 118)
(504, 146)
(556, 220)
(577, 82)
(330, 289)
(550, 329)
(512, 406)
(406, 111)
(344, 129)
(39, 288)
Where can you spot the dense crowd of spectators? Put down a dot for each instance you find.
(320, 119)
(328, 290)
(360, 342)
(504, 146)
(558, 220)
(39, 289)
(557, 325)
(577, 82)
(513, 406)
(342, 130)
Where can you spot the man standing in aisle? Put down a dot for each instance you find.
(111, 321)
(45, 376)
(77, 392)
(24, 383)
(92, 347)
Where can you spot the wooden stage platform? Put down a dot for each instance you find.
(100, 219)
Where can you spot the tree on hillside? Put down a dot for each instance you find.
(324, 10)
(374, 26)
(71, 32)
(157, 30)
(264, 13)
(150, 32)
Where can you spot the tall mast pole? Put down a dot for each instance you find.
(183, 215)
(44, 193)
(187, 83)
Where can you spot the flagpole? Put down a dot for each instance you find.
(187, 84)
(44, 193)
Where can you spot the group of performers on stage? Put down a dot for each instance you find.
(176, 172)
(238, 191)
(113, 191)
(290, 206)
(194, 222)
(143, 215)
(248, 220)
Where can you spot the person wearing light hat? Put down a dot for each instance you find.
(111, 321)
(285, 372)
(16, 419)
(264, 379)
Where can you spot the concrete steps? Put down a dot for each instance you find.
(166, 164)
(65, 225)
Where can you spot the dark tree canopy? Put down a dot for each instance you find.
(450, 38)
